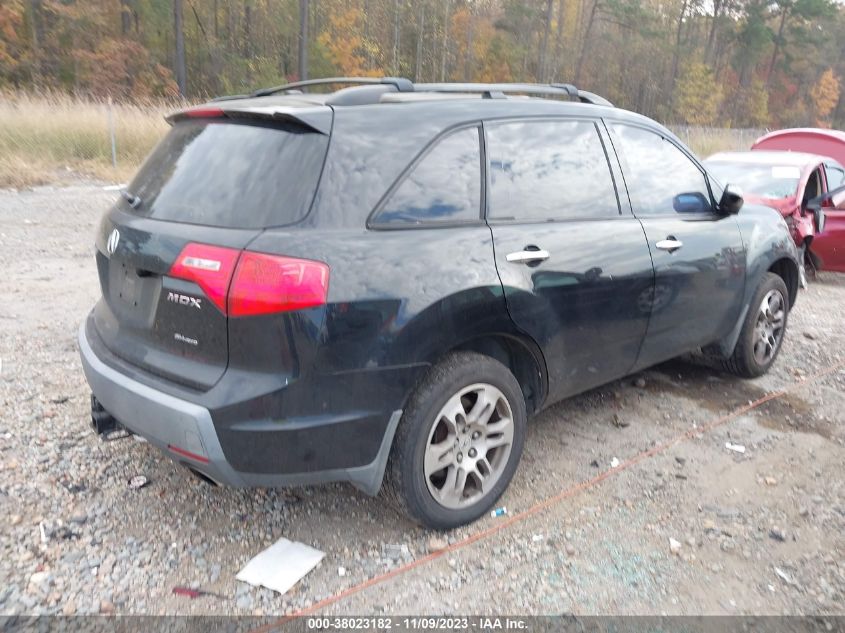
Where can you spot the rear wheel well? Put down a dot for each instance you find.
(787, 270)
(519, 359)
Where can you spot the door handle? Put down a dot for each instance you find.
(669, 244)
(526, 257)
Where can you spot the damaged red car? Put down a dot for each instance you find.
(828, 245)
(796, 184)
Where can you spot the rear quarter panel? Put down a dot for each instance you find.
(398, 299)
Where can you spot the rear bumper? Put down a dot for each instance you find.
(186, 432)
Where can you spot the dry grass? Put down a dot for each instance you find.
(49, 138)
(705, 141)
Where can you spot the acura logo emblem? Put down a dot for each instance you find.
(114, 238)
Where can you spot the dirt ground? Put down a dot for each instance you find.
(759, 532)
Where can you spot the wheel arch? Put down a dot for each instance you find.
(787, 269)
(521, 356)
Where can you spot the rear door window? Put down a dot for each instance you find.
(231, 174)
(443, 187)
(549, 170)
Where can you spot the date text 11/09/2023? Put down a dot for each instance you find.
(420, 623)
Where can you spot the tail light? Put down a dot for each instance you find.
(268, 283)
(250, 284)
(210, 267)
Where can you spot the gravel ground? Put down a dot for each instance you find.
(693, 529)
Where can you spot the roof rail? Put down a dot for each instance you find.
(499, 90)
(592, 97)
(401, 84)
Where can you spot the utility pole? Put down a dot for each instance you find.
(468, 61)
(445, 47)
(396, 32)
(420, 33)
(303, 40)
(181, 75)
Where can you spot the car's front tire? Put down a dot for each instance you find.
(763, 330)
(458, 443)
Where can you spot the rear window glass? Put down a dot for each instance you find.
(233, 175)
(445, 186)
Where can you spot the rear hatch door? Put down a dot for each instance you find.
(167, 250)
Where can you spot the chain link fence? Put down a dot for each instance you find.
(708, 140)
(53, 138)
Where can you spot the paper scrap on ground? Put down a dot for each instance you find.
(280, 566)
(736, 448)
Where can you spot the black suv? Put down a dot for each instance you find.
(381, 284)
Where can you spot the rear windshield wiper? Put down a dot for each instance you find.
(133, 200)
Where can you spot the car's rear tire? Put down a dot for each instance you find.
(458, 443)
(763, 330)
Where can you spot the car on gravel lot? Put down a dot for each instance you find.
(828, 247)
(790, 182)
(381, 284)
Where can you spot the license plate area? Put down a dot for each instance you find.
(129, 290)
(134, 297)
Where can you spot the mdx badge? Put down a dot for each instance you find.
(111, 244)
(184, 300)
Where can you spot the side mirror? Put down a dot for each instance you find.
(731, 201)
(832, 200)
(694, 202)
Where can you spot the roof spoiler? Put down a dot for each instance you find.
(317, 118)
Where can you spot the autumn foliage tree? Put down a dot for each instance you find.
(721, 62)
(698, 96)
(825, 94)
(752, 105)
(11, 22)
(345, 48)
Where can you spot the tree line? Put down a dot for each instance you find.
(748, 63)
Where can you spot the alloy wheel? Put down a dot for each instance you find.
(468, 446)
(768, 331)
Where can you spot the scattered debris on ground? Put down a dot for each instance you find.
(759, 532)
